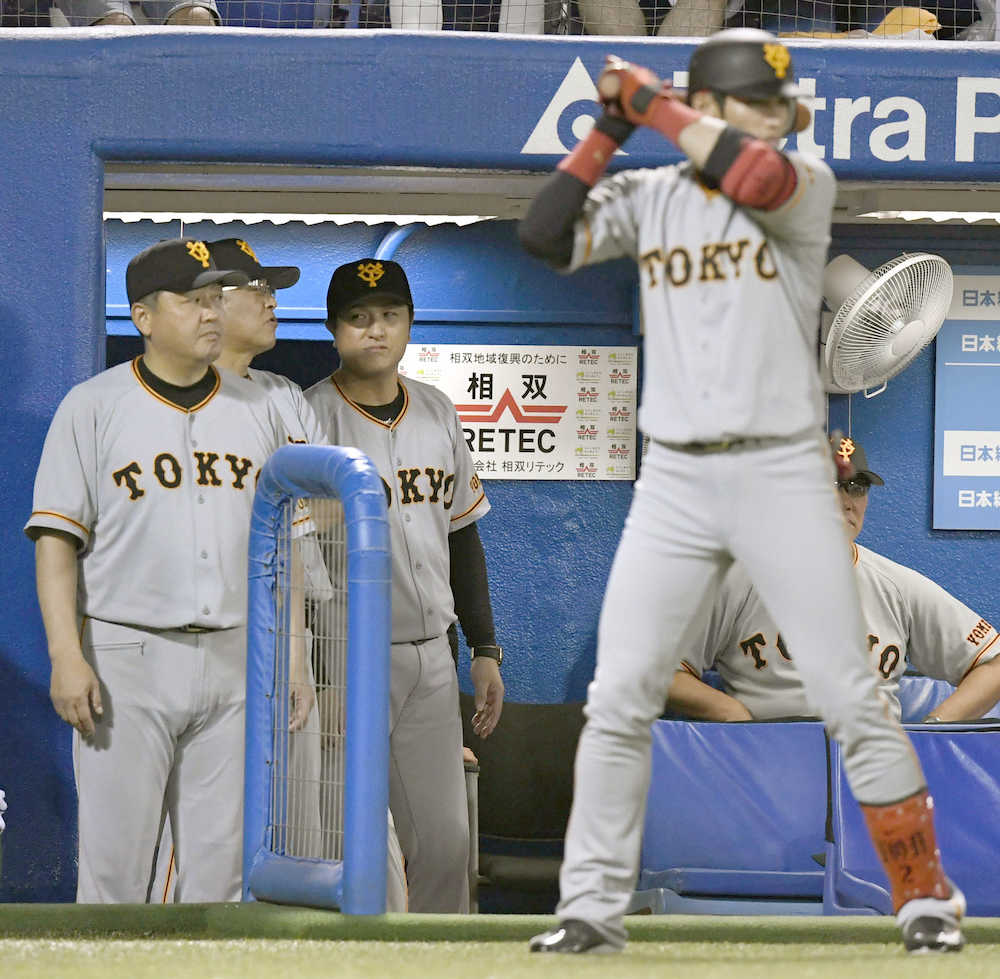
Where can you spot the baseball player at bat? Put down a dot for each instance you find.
(141, 521)
(730, 247)
(910, 622)
(412, 434)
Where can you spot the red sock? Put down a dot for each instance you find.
(903, 834)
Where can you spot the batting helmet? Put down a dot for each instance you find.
(749, 64)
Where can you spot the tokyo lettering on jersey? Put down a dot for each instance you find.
(747, 281)
(431, 487)
(158, 496)
(909, 619)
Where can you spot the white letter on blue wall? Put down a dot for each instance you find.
(967, 123)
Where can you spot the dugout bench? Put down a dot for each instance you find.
(757, 818)
(746, 818)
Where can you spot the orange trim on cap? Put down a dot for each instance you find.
(159, 397)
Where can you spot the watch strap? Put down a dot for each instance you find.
(490, 652)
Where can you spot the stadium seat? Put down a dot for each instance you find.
(525, 793)
(735, 819)
(962, 766)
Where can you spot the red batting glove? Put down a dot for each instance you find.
(630, 90)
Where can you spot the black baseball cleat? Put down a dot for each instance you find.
(933, 925)
(572, 937)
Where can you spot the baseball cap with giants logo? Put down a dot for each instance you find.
(365, 279)
(176, 265)
(235, 253)
(845, 449)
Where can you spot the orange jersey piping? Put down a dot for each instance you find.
(364, 414)
(61, 516)
(482, 496)
(159, 397)
(982, 653)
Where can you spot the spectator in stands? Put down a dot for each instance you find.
(105, 13)
(505, 16)
(682, 18)
(911, 621)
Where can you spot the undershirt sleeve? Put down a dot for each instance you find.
(470, 588)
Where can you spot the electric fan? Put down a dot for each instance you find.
(881, 320)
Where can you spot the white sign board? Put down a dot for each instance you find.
(531, 412)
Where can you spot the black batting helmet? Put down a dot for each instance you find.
(749, 64)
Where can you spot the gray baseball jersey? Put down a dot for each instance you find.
(705, 261)
(301, 425)
(910, 620)
(730, 305)
(431, 487)
(300, 420)
(158, 496)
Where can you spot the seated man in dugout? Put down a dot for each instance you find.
(911, 622)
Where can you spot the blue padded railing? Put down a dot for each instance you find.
(358, 884)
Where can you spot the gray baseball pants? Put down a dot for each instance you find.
(172, 734)
(774, 509)
(427, 794)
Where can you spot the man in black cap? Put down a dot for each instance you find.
(141, 519)
(730, 246)
(412, 434)
(249, 327)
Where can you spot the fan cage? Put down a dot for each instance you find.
(908, 290)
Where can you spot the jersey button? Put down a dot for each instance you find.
(204, 555)
(418, 566)
(407, 518)
(206, 611)
(201, 499)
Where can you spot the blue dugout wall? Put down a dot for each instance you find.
(72, 101)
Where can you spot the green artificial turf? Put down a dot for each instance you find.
(257, 941)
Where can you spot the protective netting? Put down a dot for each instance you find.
(307, 777)
(940, 20)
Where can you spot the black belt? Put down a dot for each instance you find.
(724, 445)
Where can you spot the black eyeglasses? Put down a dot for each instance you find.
(854, 487)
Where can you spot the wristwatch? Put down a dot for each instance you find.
(490, 652)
